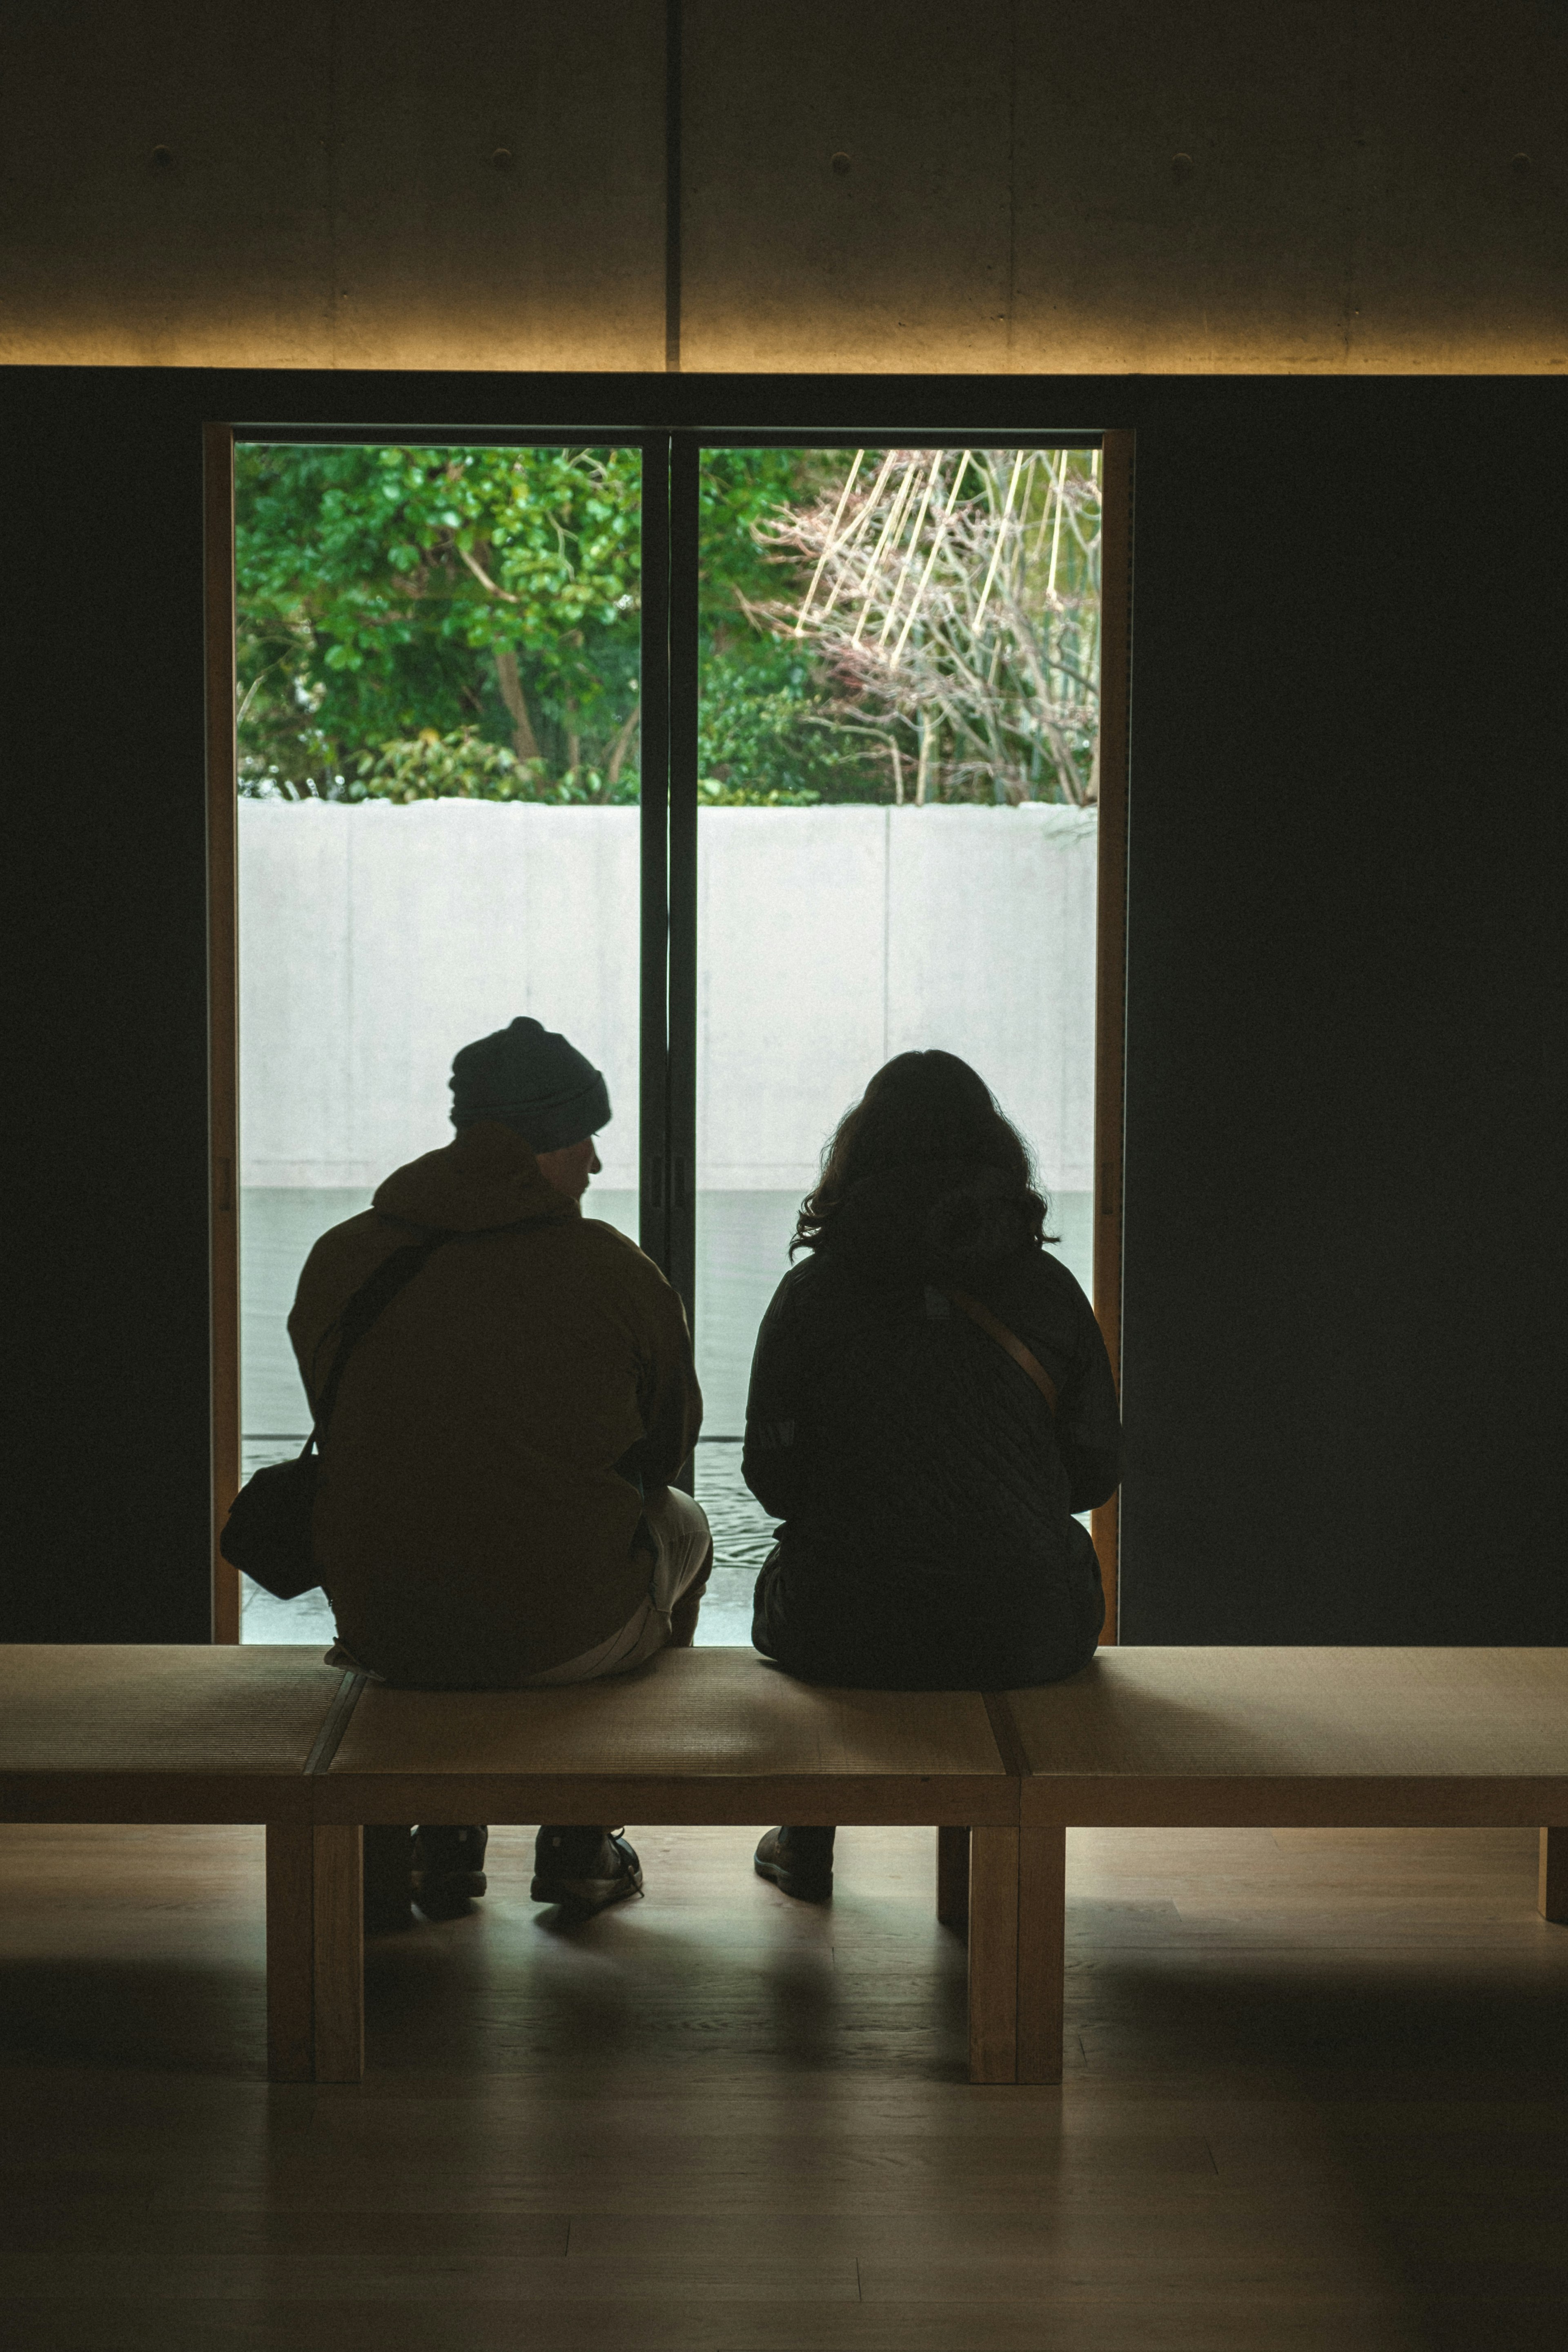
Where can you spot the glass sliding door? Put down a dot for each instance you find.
(897, 780)
(439, 749)
(747, 767)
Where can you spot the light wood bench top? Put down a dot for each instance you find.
(691, 1737)
(143, 1732)
(1335, 1736)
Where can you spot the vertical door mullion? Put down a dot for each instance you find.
(653, 1108)
(685, 458)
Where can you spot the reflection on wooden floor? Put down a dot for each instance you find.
(1317, 2096)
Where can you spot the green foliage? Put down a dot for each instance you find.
(432, 767)
(764, 731)
(386, 592)
(462, 766)
(424, 624)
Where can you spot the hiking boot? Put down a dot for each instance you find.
(448, 1869)
(799, 1862)
(584, 1870)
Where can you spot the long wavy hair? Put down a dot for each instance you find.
(920, 1107)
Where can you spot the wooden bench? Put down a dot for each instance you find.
(1210, 1737)
(127, 1732)
(710, 1737)
(1329, 1738)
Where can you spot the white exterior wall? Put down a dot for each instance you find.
(375, 940)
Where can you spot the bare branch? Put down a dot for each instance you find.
(483, 577)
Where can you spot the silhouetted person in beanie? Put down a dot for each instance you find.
(494, 1509)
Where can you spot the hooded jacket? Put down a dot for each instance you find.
(479, 1512)
(927, 1491)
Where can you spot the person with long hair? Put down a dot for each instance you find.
(931, 1404)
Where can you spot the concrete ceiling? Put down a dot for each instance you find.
(1324, 186)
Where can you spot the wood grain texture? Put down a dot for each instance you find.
(952, 1877)
(885, 1802)
(1111, 946)
(1552, 1897)
(1042, 1914)
(338, 1891)
(1313, 2100)
(993, 1955)
(223, 1001)
(291, 1952)
(699, 1735)
(1300, 1735)
(169, 1712)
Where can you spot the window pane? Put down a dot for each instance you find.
(439, 702)
(898, 839)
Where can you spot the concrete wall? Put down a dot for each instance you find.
(1214, 187)
(375, 940)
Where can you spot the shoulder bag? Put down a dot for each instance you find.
(268, 1532)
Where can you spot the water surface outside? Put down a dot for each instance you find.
(743, 1253)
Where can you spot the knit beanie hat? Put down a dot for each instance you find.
(535, 1081)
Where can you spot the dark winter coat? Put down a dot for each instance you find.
(479, 1503)
(926, 1490)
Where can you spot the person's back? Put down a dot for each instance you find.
(480, 1490)
(494, 1505)
(927, 1478)
(926, 1489)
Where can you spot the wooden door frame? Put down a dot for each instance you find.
(223, 1003)
(1116, 486)
(223, 969)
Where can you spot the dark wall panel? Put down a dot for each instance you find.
(106, 1015)
(1344, 1293)
(1344, 1286)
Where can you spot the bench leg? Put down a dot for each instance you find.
(1553, 1896)
(291, 1952)
(952, 1877)
(993, 1956)
(339, 1973)
(1042, 1922)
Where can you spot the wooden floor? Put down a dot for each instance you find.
(1317, 2096)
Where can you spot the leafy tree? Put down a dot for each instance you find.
(767, 732)
(415, 622)
(491, 594)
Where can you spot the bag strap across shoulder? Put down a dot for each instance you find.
(1026, 1361)
(392, 1275)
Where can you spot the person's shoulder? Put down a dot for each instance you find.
(368, 1236)
(611, 1243)
(338, 1261)
(800, 1282)
(1052, 1290)
(615, 1256)
(1053, 1274)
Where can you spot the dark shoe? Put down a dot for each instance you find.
(799, 1862)
(448, 1869)
(584, 1870)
